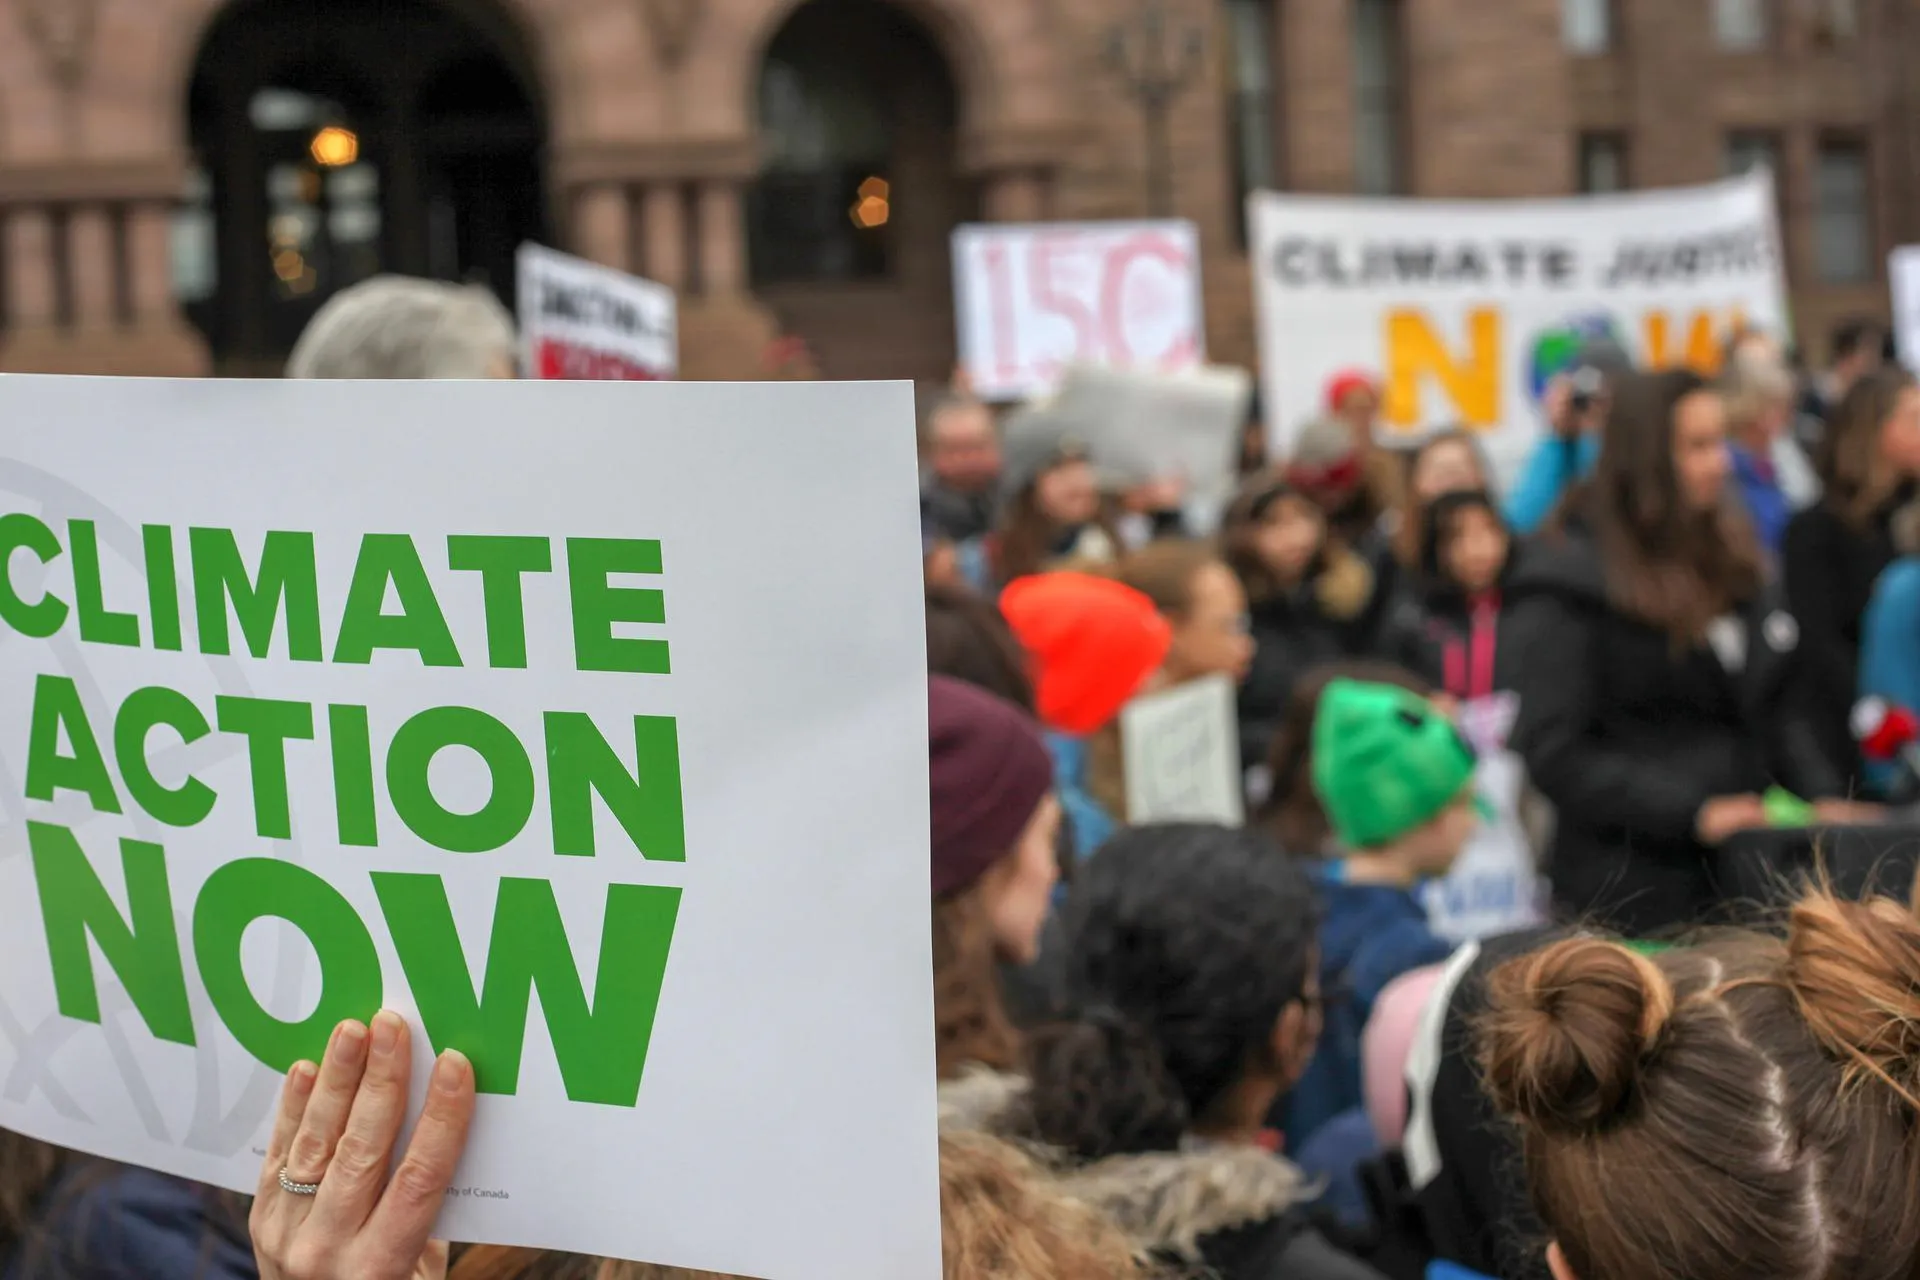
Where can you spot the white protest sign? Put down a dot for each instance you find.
(1182, 755)
(1139, 427)
(1494, 886)
(443, 696)
(1032, 299)
(1467, 309)
(1903, 275)
(582, 321)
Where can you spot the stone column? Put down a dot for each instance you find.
(602, 226)
(94, 266)
(664, 219)
(32, 301)
(150, 260)
(723, 240)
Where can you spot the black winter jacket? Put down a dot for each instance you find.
(1629, 738)
(1828, 568)
(1229, 1212)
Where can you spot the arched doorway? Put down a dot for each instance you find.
(849, 221)
(336, 141)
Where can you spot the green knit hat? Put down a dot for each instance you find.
(1384, 761)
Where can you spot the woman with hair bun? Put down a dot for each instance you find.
(1189, 963)
(1743, 1109)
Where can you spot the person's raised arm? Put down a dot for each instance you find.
(327, 1207)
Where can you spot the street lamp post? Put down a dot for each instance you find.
(1155, 62)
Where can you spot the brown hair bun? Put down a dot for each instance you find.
(1854, 971)
(1567, 1029)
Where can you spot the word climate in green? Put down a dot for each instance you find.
(206, 593)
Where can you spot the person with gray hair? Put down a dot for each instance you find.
(1773, 475)
(396, 327)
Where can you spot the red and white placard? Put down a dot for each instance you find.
(1034, 299)
(584, 322)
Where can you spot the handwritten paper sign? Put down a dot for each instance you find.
(1034, 299)
(585, 322)
(1182, 755)
(326, 697)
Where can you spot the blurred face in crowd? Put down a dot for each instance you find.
(1900, 434)
(965, 448)
(1435, 847)
(1068, 493)
(1295, 1037)
(941, 564)
(1476, 549)
(1212, 637)
(1864, 359)
(1447, 466)
(1701, 463)
(1289, 537)
(1018, 889)
(1359, 407)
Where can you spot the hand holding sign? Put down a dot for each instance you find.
(326, 1209)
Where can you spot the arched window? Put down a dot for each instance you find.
(333, 142)
(822, 208)
(1251, 98)
(1378, 105)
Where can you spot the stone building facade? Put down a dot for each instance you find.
(183, 181)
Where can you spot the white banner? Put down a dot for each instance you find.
(1903, 275)
(582, 321)
(1181, 755)
(1466, 309)
(1033, 299)
(324, 697)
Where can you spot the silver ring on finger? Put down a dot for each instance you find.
(292, 1188)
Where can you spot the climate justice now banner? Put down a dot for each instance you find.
(1466, 309)
(585, 322)
(494, 704)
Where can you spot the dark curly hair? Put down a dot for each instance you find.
(1183, 945)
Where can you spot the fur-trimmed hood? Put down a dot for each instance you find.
(1168, 1202)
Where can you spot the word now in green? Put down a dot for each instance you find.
(279, 596)
(601, 1046)
(581, 765)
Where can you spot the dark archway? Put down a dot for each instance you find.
(336, 141)
(850, 218)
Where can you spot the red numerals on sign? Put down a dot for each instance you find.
(559, 361)
(1094, 287)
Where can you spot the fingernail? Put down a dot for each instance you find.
(451, 1072)
(302, 1074)
(350, 1040)
(386, 1033)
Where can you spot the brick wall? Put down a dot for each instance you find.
(1493, 106)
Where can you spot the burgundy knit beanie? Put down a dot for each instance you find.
(990, 770)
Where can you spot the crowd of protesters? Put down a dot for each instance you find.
(1317, 1046)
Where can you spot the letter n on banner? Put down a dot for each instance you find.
(1471, 381)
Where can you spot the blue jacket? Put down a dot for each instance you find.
(1091, 824)
(1766, 502)
(1371, 935)
(109, 1222)
(1890, 646)
(1552, 469)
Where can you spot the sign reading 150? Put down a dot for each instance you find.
(1035, 300)
(1474, 379)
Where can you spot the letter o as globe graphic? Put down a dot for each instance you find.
(1554, 350)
